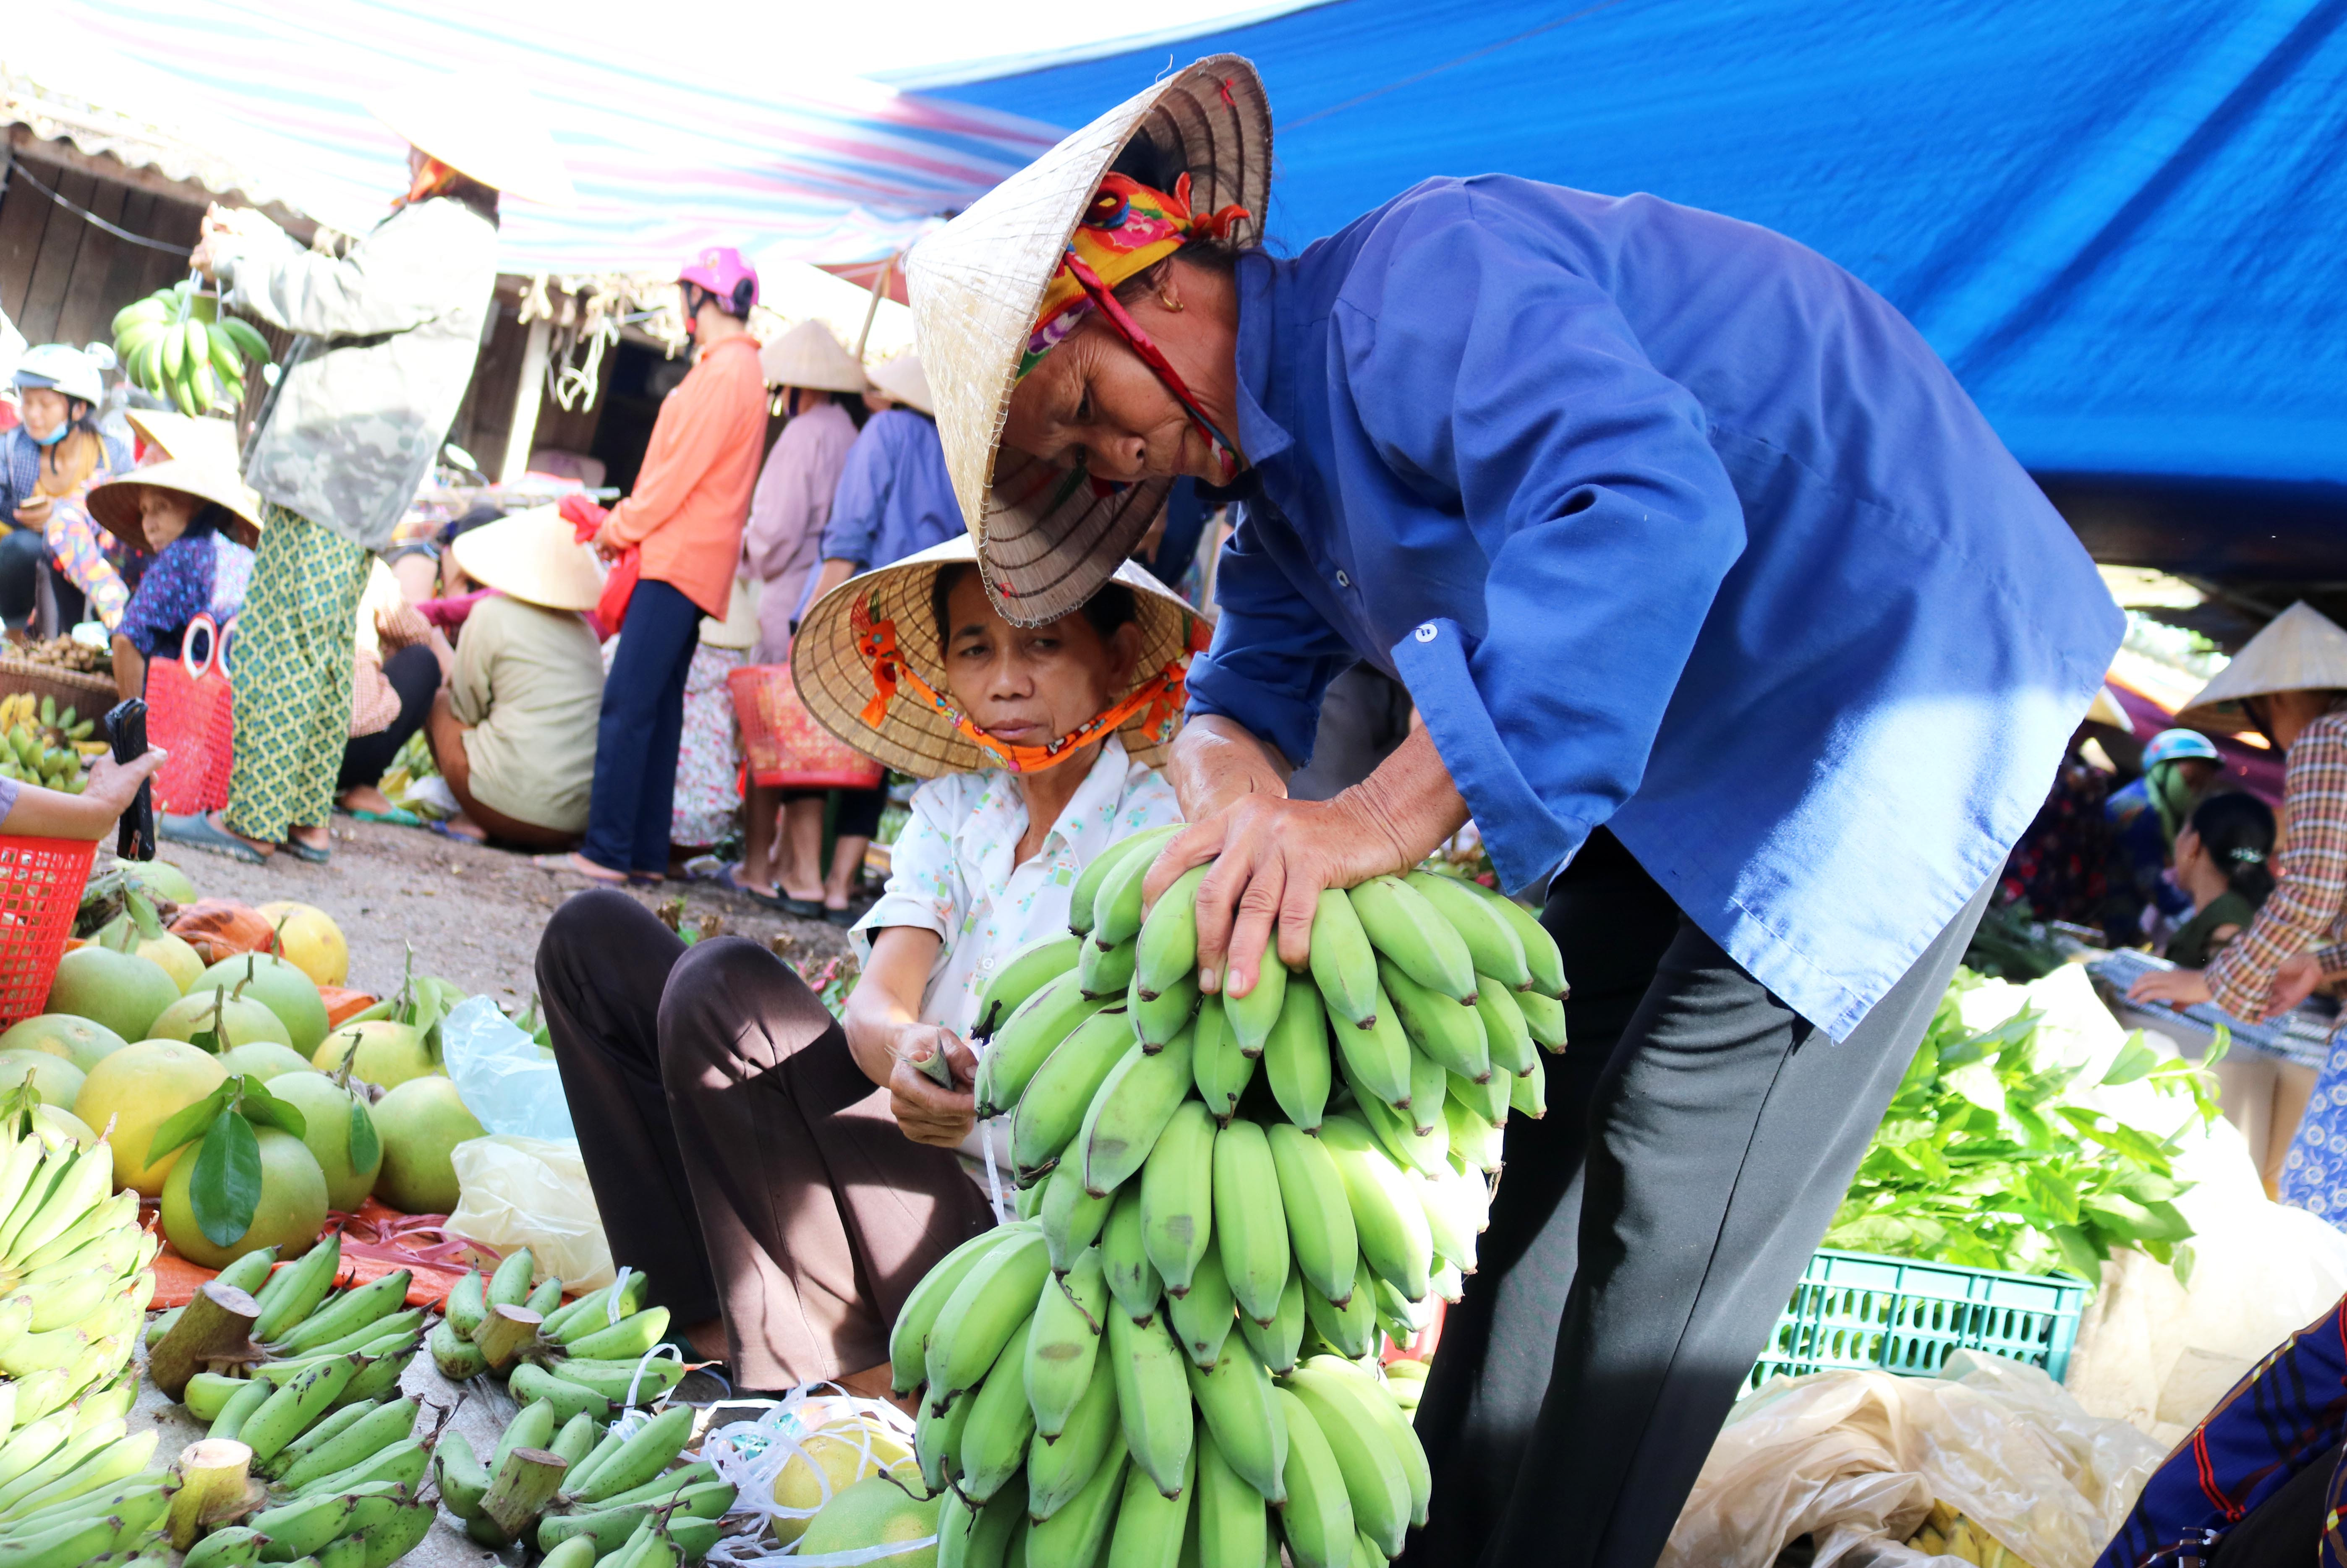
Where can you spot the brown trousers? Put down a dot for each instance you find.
(740, 1157)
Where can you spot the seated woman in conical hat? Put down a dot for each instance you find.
(785, 1178)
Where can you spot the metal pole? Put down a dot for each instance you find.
(880, 287)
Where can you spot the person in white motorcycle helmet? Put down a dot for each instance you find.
(47, 463)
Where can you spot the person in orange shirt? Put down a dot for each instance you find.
(685, 516)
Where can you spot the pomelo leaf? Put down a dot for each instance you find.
(265, 1109)
(142, 914)
(224, 1189)
(185, 1126)
(366, 1145)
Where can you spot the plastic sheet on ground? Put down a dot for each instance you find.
(1855, 1460)
(533, 1192)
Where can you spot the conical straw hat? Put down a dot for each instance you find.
(2105, 709)
(490, 130)
(902, 380)
(2301, 649)
(533, 556)
(115, 504)
(808, 355)
(913, 737)
(978, 284)
(212, 442)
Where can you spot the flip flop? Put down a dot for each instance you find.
(800, 908)
(444, 831)
(196, 832)
(397, 816)
(843, 919)
(305, 853)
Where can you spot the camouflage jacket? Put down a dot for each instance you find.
(386, 337)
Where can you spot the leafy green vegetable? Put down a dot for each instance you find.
(1987, 1159)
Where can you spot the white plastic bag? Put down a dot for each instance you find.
(533, 1192)
(1855, 1460)
(504, 1079)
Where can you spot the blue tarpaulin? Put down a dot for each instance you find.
(2124, 225)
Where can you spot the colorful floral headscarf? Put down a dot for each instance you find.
(1127, 228)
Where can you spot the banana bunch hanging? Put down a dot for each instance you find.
(176, 343)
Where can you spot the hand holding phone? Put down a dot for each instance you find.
(125, 727)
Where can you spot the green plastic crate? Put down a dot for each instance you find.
(1853, 1309)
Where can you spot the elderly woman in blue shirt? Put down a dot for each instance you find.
(1728, 621)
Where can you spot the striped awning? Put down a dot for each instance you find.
(666, 161)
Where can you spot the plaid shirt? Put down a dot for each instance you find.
(2285, 1415)
(2308, 907)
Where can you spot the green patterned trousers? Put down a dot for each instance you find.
(292, 660)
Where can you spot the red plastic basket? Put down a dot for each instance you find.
(41, 881)
(189, 715)
(784, 745)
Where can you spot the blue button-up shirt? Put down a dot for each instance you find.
(894, 498)
(1668, 524)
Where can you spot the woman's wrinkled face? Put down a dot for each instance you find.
(43, 409)
(164, 515)
(1029, 685)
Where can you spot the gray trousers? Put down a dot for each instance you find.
(1647, 1232)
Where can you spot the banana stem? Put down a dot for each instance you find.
(214, 1489)
(215, 1326)
(523, 1487)
(506, 1333)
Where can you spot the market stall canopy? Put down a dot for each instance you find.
(2121, 224)
(666, 160)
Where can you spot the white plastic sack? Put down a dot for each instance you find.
(502, 1076)
(533, 1192)
(1855, 1460)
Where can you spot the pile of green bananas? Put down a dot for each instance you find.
(73, 1287)
(583, 1357)
(176, 343)
(1239, 1239)
(599, 1491)
(38, 747)
(73, 1281)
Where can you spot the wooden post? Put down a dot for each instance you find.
(215, 1326)
(872, 309)
(522, 435)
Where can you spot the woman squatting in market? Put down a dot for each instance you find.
(784, 1179)
(1727, 619)
(386, 341)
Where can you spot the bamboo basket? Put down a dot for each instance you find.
(88, 695)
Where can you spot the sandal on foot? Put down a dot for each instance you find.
(397, 816)
(196, 831)
(307, 855)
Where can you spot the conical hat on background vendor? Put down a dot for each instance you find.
(808, 355)
(2301, 649)
(533, 556)
(114, 503)
(867, 647)
(487, 129)
(205, 440)
(902, 380)
(980, 287)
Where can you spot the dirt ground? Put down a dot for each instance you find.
(473, 914)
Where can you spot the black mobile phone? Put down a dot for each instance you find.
(125, 726)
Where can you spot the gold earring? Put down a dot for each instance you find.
(1165, 297)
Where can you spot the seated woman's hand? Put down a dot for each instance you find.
(2177, 987)
(926, 1111)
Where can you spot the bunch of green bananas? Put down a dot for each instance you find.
(61, 723)
(73, 1290)
(594, 1487)
(176, 343)
(1405, 1380)
(586, 1356)
(1241, 1240)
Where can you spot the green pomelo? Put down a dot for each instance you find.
(263, 1059)
(55, 1079)
(162, 878)
(241, 1021)
(421, 1123)
(326, 1116)
(66, 1121)
(871, 1513)
(177, 960)
(137, 1089)
(278, 986)
(121, 990)
(79, 1040)
(291, 1211)
(387, 1052)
